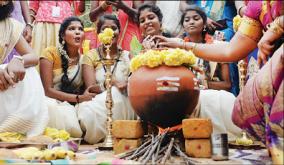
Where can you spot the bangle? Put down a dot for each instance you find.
(29, 24)
(77, 99)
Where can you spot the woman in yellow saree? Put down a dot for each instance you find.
(61, 74)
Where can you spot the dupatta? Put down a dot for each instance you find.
(10, 33)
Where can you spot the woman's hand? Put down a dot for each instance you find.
(27, 33)
(88, 95)
(149, 43)
(120, 85)
(213, 25)
(169, 42)
(117, 3)
(94, 89)
(16, 70)
(5, 80)
(266, 47)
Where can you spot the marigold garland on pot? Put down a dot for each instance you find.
(169, 57)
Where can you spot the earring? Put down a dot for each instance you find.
(204, 29)
(63, 42)
(162, 29)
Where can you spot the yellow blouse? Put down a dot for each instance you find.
(52, 54)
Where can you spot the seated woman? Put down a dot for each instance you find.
(258, 109)
(93, 114)
(193, 21)
(21, 94)
(214, 104)
(61, 75)
(150, 19)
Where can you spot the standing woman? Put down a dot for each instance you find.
(47, 17)
(22, 107)
(61, 75)
(93, 114)
(126, 13)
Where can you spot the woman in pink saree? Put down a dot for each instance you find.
(259, 107)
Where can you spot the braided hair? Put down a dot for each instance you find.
(65, 82)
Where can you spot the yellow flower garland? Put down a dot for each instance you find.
(106, 36)
(169, 57)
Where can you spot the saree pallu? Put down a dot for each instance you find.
(22, 108)
(63, 115)
(259, 108)
(16, 14)
(11, 31)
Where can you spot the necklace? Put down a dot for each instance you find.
(63, 52)
(72, 60)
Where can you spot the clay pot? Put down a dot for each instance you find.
(163, 95)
